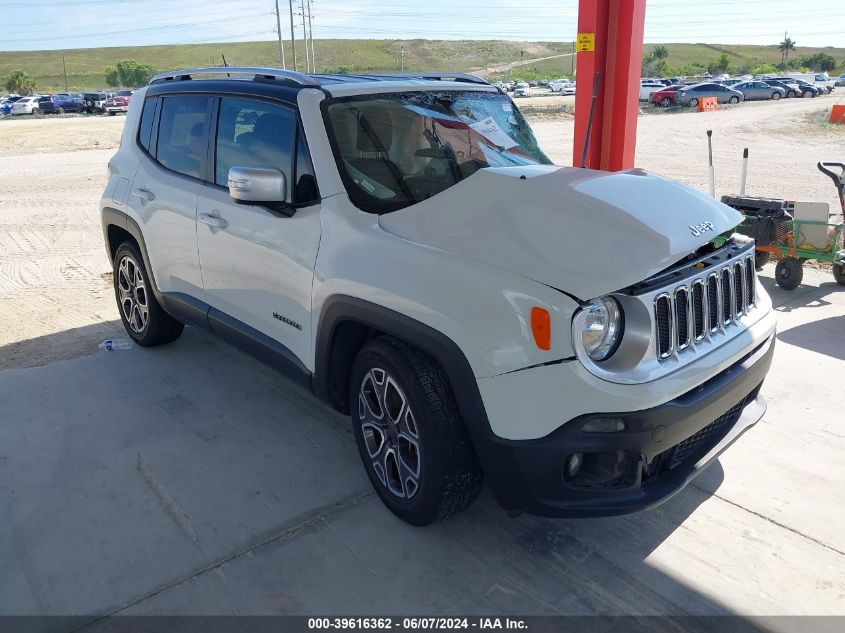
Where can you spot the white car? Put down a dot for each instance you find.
(563, 87)
(820, 80)
(583, 341)
(27, 105)
(522, 89)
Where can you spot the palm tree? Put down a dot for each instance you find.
(784, 47)
(660, 52)
(21, 83)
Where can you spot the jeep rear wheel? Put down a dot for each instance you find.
(410, 438)
(144, 319)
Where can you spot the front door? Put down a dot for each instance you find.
(257, 263)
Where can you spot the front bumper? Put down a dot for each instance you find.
(117, 108)
(661, 450)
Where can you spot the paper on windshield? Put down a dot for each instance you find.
(489, 129)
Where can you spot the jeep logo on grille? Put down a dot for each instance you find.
(704, 227)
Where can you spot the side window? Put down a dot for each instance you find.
(305, 189)
(182, 137)
(251, 134)
(145, 129)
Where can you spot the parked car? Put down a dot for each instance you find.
(801, 87)
(754, 90)
(6, 103)
(423, 267)
(840, 80)
(819, 80)
(26, 105)
(95, 101)
(522, 89)
(666, 96)
(118, 103)
(59, 104)
(690, 95)
(565, 87)
(647, 86)
(790, 89)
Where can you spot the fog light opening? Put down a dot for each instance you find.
(573, 464)
(604, 425)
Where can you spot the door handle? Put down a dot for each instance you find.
(214, 220)
(144, 194)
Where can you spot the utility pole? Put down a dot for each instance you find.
(402, 58)
(279, 31)
(305, 35)
(64, 70)
(311, 37)
(292, 35)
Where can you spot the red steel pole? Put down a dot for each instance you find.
(610, 42)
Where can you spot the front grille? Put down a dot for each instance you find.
(704, 306)
(663, 318)
(707, 437)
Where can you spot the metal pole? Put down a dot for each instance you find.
(744, 172)
(279, 30)
(292, 35)
(710, 162)
(305, 36)
(64, 70)
(402, 57)
(311, 37)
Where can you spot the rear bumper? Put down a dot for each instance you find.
(660, 451)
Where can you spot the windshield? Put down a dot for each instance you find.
(394, 150)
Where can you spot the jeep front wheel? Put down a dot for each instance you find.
(409, 434)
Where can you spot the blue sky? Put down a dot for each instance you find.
(59, 24)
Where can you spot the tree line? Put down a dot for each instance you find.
(127, 73)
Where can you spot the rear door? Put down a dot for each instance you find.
(257, 263)
(174, 136)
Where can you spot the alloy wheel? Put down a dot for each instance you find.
(132, 292)
(390, 433)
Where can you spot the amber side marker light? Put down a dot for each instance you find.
(541, 327)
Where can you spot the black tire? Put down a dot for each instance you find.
(788, 273)
(761, 258)
(791, 94)
(839, 273)
(111, 113)
(734, 100)
(35, 111)
(61, 110)
(693, 103)
(448, 475)
(775, 96)
(159, 327)
(808, 93)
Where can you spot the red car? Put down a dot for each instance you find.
(665, 96)
(118, 103)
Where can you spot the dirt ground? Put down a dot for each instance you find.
(54, 275)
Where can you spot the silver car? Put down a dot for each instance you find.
(759, 90)
(692, 94)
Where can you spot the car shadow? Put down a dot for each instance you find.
(192, 479)
(818, 336)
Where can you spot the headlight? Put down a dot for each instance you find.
(602, 328)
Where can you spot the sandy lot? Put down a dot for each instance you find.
(54, 275)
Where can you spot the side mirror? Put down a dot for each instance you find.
(266, 186)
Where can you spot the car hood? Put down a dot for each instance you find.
(582, 231)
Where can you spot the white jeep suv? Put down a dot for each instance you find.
(586, 342)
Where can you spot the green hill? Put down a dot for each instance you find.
(85, 66)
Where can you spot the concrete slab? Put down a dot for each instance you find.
(191, 479)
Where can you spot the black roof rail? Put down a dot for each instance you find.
(431, 76)
(257, 72)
